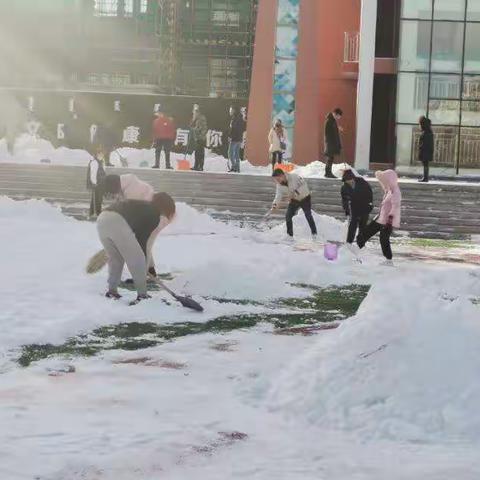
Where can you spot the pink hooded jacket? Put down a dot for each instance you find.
(392, 200)
(134, 189)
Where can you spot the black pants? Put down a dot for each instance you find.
(292, 209)
(96, 201)
(276, 158)
(166, 145)
(356, 222)
(372, 229)
(426, 170)
(199, 153)
(329, 159)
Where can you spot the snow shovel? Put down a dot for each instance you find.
(185, 301)
(123, 160)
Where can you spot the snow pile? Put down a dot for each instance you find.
(401, 370)
(33, 150)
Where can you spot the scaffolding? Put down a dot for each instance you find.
(174, 47)
(207, 47)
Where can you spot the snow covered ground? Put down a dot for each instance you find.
(392, 393)
(31, 150)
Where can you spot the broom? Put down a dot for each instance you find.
(97, 262)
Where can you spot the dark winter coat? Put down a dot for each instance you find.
(425, 147)
(142, 218)
(237, 128)
(333, 144)
(200, 128)
(100, 177)
(358, 200)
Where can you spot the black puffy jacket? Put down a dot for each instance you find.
(333, 144)
(359, 199)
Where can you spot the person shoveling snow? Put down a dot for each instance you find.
(299, 195)
(125, 230)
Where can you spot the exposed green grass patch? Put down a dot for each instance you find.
(437, 243)
(322, 306)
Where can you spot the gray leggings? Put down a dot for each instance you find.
(122, 247)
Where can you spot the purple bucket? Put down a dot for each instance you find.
(330, 251)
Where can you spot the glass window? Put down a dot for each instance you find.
(412, 96)
(417, 9)
(473, 10)
(405, 145)
(445, 86)
(472, 48)
(449, 10)
(471, 113)
(415, 45)
(444, 112)
(447, 46)
(471, 87)
(470, 147)
(106, 8)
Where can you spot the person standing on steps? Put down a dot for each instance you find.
(164, 133)
(125, 230)
(333, 143)
(389, 216)
(299, 195)
(95, 183)
(235, 134)
(277, 139)
(425, 146)
(357, 201)
(199, 129)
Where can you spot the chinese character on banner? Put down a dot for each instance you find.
(116, 106)
(131, 134)
(31, 104)
(182, 137)
(71, 105)
(214, 138)
(93, 132)
(156, 108)
(33, 127)
(243, 111)
(60, 131)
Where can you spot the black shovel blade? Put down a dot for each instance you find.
(189, 303)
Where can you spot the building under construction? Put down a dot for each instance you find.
(173, 47)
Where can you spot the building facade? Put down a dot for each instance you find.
(384, 62)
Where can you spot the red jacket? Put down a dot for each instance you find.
(164, 128)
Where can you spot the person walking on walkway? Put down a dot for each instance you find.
(125, 229)
(389, 217)
(357, 200)
(164, 133)
(235, 134)
(425, 147)
(199, 129)
(277, 139)
(299, 195)
(333, 143)
(95, 183)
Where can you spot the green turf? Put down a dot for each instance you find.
(321, 306)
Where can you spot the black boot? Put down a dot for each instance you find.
(328, 170)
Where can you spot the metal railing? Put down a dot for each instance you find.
(446, 147)
(351, 47)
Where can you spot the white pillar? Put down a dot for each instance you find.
(366, 72)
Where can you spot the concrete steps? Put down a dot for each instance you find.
(433, 210)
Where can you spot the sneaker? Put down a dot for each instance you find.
(139, 299)
(113, 295)
(387, 263)
(330, 175)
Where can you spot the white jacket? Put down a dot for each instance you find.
(274, 140)
(296, 189)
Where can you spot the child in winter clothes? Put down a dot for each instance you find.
(357, 201)
(125, 229)
(95, 178)
(299, 195)
(389, 217)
